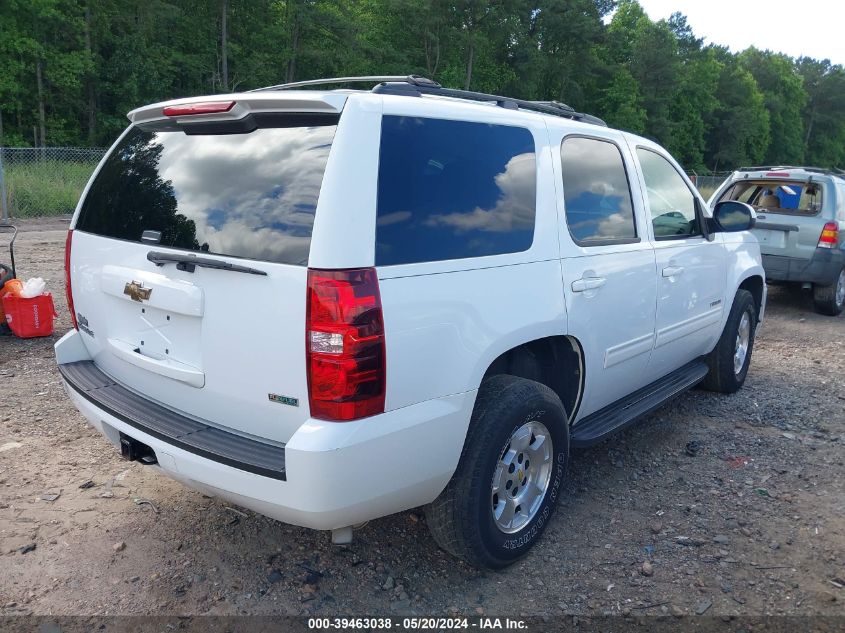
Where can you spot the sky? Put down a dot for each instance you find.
(814, 28)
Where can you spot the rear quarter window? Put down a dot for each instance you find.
(840, 201)
(250, 195)
(453, 190)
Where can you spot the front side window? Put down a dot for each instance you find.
(596, 193)
(453, 189)
(670, 201)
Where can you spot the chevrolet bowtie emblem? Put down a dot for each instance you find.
(135, 290)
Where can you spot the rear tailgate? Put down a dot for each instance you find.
(789, 220)
(788, 234)
(219, 337)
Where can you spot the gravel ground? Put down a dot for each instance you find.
(713, 505)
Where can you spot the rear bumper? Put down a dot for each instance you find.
(335, 474)
(175, 429)
(822, 268)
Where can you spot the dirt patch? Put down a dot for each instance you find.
(714, 504)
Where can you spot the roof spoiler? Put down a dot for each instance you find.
(245, 103)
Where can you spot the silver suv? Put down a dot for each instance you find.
(800, 224)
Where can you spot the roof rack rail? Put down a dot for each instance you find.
(415, 85)
(817, 170)
(545, 107)
(414, 80)
(764, 167)
(555, 104)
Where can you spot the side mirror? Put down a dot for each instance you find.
(731, 216)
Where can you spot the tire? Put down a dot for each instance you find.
(726, 376)
(461, 519)
(830, 299)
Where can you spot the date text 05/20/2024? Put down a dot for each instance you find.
(417, 623)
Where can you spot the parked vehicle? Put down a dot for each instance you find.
(329, 306)
(800, 226)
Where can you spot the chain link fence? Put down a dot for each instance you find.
(44, 181)
(708, 182)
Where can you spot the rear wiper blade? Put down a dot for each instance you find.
(188, 263)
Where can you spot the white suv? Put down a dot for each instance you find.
(329, 306)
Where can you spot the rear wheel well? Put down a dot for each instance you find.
(754, 285)
(555, 361)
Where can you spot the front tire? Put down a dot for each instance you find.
(830, 299)
(506, 486)
(730, 359)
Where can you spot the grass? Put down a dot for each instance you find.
(707, 191)
(45, 188)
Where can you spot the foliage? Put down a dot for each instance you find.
(739, 124)
(45, 187)
(784, 97)
(71, 69)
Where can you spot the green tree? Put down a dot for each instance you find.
(824, 114)
(17, 49)
(621, 103)
(784, 95)
(698, 76)
(739, 125)
(561, 51)
(71, 69)
(649, 51)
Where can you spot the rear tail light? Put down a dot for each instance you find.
(830, 235)
(68, 289)
(345, 344)
(188, 109)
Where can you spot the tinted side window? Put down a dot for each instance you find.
(596, 192)
(453, 189)
(670, 201)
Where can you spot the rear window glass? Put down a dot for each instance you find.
(790, 197)
(453, 189)
(245, 195)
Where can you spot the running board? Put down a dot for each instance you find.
(599, 425)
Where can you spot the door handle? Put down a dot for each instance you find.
(587, 283)
(673, 271)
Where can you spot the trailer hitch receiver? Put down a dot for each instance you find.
(133, 450)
